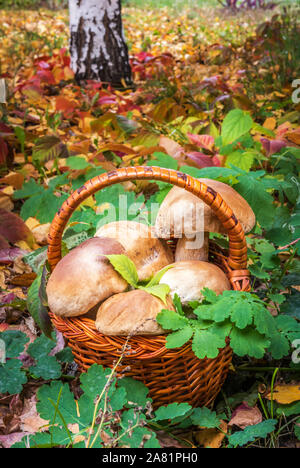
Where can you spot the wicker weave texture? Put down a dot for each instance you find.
(170, 374)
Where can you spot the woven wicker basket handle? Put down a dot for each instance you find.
(237, 260)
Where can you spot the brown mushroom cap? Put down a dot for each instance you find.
(187, 279)
(182, 205)
(148, 253)
(84, 277)
(131, 313)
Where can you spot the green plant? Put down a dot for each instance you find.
(240, 316)
(14, 371)
(123, 265)
(117, 411)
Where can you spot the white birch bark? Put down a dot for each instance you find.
(97, 44)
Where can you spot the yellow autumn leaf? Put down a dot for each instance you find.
(270, 123)
(212, 438)
(285, 394)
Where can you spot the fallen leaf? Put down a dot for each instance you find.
(212, 438)
(41, 232)
(285, 394)
(30, 421)
(245, 415)
(23, 280)
(13, 228)
(6, 441)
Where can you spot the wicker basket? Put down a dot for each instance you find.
(174, 375)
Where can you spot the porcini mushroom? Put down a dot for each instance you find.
(188, 278)
(84, 277)
(148, 253)
(131, 313)
(184, 216)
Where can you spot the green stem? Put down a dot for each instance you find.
(266, 369)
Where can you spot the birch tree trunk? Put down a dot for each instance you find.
(97, 44)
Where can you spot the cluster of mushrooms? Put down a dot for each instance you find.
(85, 283)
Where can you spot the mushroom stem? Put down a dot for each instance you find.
(187, 249)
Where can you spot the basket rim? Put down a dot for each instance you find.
(237, 258)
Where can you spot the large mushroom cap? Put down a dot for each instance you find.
(148, 253)
(187, 279)
(84, 277)
(131, 313)
(182, 208)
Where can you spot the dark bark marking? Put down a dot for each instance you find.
(212, 192)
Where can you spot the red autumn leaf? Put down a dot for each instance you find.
(245, 415)
(3, 151)
(3, 243)
(203, 160)
(5, 129)
(46, 76)
(66, 106)
(107, 100)
(8, 255)
(203, 141)
(272, 146)
(13, 228)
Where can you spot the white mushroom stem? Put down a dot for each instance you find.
(192, 249)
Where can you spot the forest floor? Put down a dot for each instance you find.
(191, 68)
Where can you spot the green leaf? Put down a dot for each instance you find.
(264, 321)
(21, 135)
(235, 124)
(133, 432)
(40, 347)
(279, 346)
(29, 189)
(204, 417)
(241, 314)
(127, 269)
(118, 399)
(46, 368)
(136, 391)
(94, 380)
(159, 290)
(163, 160)
(49, 147)
(248, 342)
(289, 410)
(251, 433)
(297, 429)
(170, 320)
(12, 378)
(76, 162)
(263, 130)
(241, 159)
(37, 304)
(207, 344)
(43, 206)
(258, 198)
(67, 404)
(65, 355)
(179, 338)
(14, 342)
(171, 411)
(158, 276)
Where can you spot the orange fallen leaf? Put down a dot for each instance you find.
(23, 280)
(270, 123)
(285, 394)
(212, 438)
(13, 178)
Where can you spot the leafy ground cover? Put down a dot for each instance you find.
(216, 95)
